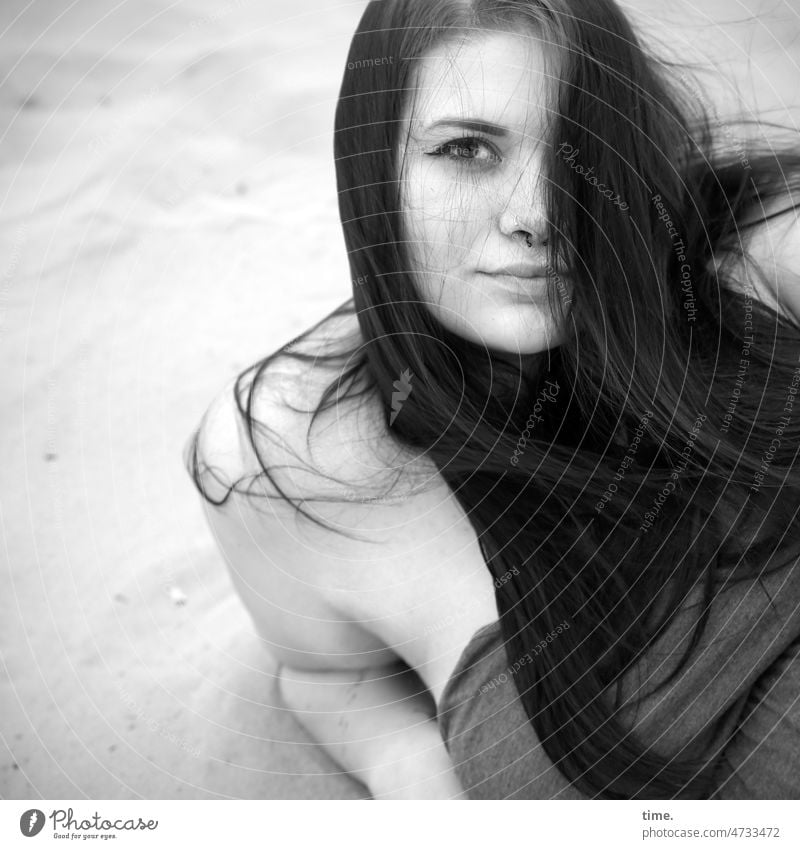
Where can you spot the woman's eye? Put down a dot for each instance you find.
(466, 150)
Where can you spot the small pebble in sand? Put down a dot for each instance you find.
(177, 595)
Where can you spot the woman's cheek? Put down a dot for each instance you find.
(445, 220)
(457, 212)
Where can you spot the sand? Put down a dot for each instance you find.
(168, 217)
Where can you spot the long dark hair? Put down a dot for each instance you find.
(671, 382)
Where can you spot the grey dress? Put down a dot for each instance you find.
(744, 673)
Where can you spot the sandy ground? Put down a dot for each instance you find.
(167, 217)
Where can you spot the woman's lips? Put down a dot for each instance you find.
(525, 270)
(515, 281)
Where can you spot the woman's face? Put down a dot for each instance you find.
(472, 196)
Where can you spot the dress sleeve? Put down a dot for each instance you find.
(762, 759)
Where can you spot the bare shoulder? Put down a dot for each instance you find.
(342, 449)
(265, 418)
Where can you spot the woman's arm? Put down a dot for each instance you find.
(379, 725)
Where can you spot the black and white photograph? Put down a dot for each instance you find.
(401, 401)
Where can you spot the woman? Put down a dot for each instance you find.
(560, 416)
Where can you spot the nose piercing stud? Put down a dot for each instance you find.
(529, 240)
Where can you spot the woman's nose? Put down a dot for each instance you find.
(523, 216)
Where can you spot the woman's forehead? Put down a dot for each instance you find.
(500, 79)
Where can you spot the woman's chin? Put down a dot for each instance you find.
(525, 342)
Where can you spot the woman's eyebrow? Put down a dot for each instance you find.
(473, 126)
